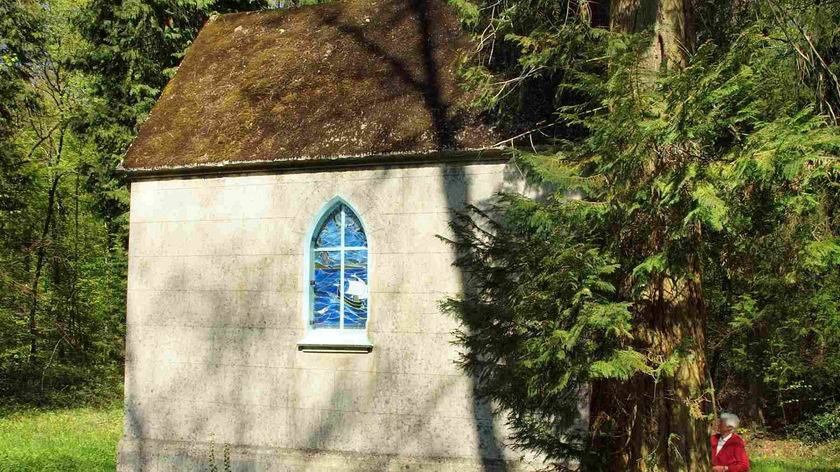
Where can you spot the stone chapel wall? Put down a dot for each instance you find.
(215, 311)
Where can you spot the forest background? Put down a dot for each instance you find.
(707, 168)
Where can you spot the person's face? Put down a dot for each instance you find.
(722, 428)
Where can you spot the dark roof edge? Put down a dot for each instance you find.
(490, 154)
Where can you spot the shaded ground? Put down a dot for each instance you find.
(85, 439)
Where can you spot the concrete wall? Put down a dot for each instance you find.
(215, 312)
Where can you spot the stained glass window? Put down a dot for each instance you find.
(340, 271)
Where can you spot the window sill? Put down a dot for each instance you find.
(335, 340)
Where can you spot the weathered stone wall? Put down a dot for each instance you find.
(215, 309)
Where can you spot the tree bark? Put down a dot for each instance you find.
(670, 23)
(656, 422)
(39, 266)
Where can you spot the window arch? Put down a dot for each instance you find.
(339, 271)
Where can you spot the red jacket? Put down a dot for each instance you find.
(732, 454)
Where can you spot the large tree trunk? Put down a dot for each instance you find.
(671, 23)
(673, 326)
(656, 422)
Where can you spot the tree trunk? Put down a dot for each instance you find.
(656, 422)
(39, 266)
(670, 22)
(672, 326)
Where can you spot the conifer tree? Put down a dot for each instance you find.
(662, 163)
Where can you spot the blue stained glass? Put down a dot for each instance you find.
(330, 233)
(355, 259)
(337, 304)
(354, 235)
(356, 292)
(327, 279)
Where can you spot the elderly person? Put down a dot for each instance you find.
(728, 453)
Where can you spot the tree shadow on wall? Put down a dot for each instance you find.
(420, 72)
(423, 73)
(422, 76)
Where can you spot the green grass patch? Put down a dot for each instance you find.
(776, 465)
(76, 439)
(787, 455)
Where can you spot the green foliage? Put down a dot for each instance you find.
(819, 428)
(724, 172)
(76, 80)
(61, 309)
(20, 31)
(132, 50)
(540, 311)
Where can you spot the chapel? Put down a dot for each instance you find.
(291, 192)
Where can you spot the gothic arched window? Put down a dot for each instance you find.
(339, 271)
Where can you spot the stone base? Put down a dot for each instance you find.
(148, 455)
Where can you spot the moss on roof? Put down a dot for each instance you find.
(348, 78)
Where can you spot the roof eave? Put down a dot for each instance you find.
(489, 154)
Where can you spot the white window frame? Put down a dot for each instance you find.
(332, 339)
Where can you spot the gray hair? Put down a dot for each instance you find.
(730, 419)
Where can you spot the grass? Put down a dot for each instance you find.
(792, 456)
(68, 440)
(85, 440)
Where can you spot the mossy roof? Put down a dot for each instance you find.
(349, 78)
